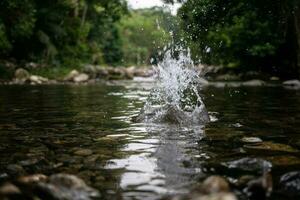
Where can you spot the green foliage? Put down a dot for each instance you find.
(239, 33)
(61, 32)
(144, 33)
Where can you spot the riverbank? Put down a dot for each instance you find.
(89, 74)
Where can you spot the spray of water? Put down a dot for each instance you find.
(175, 98)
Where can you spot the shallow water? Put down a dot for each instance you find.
(87, 131)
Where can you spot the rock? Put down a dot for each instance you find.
(71, 75)
(260, 188)
(22, 74)
(215, 184)
(274, 78)
(250, 165)
(66, 187)
(83, 152)
(284, 160)
(292, 84)
(290, 183)
(81, 78)
(270, 146)
(254, 83)
(37, 79)
(15, 170)
(216, 196)
(24, 180)
(227, 77)
(9, 189)
(251, 140)
(55, 187)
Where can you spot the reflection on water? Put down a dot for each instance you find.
(88, 131)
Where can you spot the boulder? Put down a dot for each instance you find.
(37, 79)
(215, 184)
(292, 84)
(22, 74)
(71, 75)
(81, 78)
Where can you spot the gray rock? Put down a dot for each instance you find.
(250, 165)
(292, 84)
(66, 187)
(251, 140)
(290, 183)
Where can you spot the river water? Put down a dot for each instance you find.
(87, 130)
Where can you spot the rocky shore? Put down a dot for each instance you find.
(94, 73)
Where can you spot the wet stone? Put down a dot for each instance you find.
(271, 146)
(259, 188)
(215, 184)
(251, 140)
(255, 165)
(290, 183)
(83, 152)
(15, 170)
(9, 189)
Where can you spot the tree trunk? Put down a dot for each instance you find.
(84, 14)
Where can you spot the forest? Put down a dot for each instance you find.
(239, 36)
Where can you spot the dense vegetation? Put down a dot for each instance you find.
(242, 35)
(245, 35)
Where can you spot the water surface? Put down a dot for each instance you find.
(87, 130)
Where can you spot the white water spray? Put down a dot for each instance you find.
(175, 98)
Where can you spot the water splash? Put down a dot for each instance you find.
(175, 98)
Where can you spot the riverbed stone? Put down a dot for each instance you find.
(254, 83)
(259, 188)
(253, 165)
(215, 184)
(9, 189)
(83, 152)
(251, 140)
(15, 170)
(271, 146)
(290, 183)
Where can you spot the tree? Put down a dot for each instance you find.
(144, 34)
(244, 34)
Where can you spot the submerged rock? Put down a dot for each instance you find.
(250, 165)
(254, 83)
(55, 187)
(251, 140)
(290, 183)
(83, 152)
(271, 146)
(259, 188)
